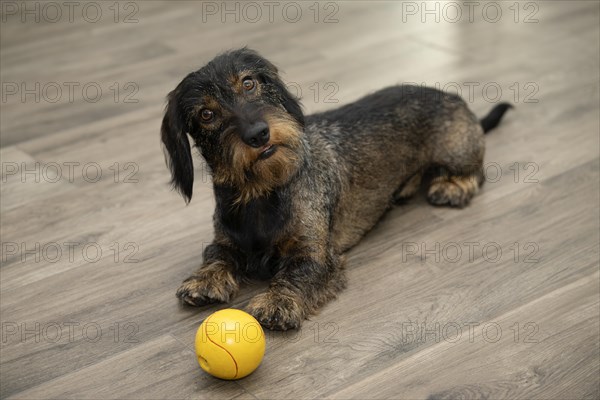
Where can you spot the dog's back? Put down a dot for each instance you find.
(385, 140)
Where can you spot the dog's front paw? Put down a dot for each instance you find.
(277, 311)
(211, 284)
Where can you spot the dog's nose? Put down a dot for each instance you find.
(257, 135)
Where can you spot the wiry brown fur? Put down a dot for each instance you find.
(294, 193)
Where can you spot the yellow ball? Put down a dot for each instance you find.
(230, 344)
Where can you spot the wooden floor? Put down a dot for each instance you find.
(499, 300)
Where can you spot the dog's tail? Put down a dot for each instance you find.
(492, 120)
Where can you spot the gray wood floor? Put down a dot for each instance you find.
(499, 300)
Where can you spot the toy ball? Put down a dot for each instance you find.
(230, 344)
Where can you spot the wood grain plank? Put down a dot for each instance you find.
(161, 368)
(527, 353)
(355, 346)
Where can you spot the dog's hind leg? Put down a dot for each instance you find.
(454, 190)
(458, 156)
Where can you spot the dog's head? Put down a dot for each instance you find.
(241, 116)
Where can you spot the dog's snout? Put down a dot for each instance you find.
(256, 135)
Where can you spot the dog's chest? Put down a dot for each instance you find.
(256, 226)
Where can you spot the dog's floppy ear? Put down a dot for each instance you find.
(178, 154)
(291, 104)
(288, 100)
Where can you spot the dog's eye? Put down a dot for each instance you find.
(249, 84)
(207, 115)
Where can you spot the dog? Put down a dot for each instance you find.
(293, 192)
